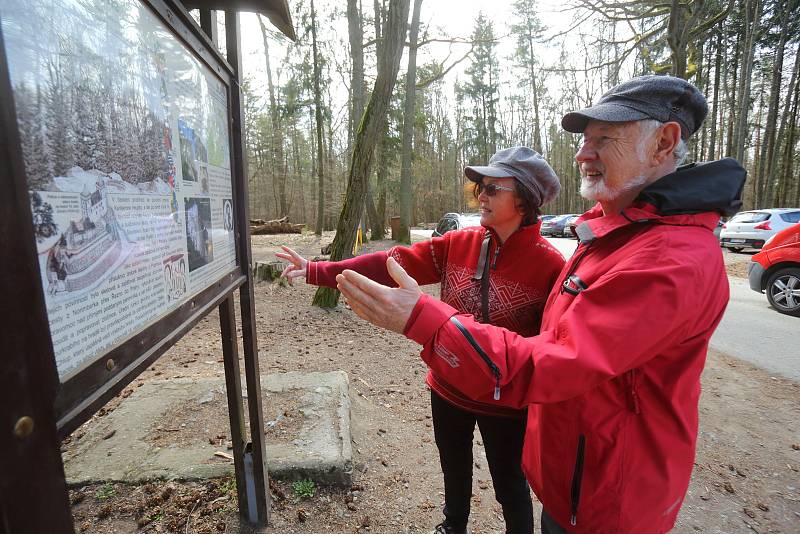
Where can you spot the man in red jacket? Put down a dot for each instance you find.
(612, 382)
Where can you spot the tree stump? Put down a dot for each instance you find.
(268, 270)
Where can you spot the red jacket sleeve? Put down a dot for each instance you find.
(423, 261)
(373, 266)
(608, 329)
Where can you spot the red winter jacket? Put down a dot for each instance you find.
(613, 380)
(522, 271)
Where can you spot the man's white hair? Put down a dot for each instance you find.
(648, 127)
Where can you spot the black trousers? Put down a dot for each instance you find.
(502, 439)
(549, 525)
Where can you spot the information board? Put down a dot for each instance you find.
(126, 143)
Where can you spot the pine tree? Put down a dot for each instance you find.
(59, 128)
(30, 131)
(482, 90)
(529, 31)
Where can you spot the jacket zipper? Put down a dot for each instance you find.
(496, 255)
(492, 366)
(577, 475)
(633, 395)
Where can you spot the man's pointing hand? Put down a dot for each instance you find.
(383, 306)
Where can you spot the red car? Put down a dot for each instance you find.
(776, 271)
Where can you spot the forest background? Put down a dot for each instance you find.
(504, 76)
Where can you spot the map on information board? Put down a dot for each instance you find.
(126, 144)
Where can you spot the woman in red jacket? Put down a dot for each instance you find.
(501, 272)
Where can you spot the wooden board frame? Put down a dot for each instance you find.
(38, 411)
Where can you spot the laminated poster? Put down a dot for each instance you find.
(125, 138)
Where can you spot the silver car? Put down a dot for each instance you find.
(555, 225)
(569, 226)
(456, 221)
(751, 229)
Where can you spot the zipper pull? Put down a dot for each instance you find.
(497, 389)
(573, 520)
(496, 254)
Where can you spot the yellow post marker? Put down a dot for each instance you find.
(359, 241)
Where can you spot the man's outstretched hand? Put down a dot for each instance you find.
(383, 306)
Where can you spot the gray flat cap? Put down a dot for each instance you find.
(526, 165)
(663, 98)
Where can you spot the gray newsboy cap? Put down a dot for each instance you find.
(526, 165)
(663, 98)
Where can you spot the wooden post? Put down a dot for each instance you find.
(233, 387)
(33, 491)
(246, 297)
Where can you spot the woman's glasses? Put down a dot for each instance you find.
(491, 189)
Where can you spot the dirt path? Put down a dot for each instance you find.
(746, 474)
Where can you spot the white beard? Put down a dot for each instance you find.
(599, 191)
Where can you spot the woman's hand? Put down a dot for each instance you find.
(297, 267)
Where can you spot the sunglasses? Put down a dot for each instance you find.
(491, 189)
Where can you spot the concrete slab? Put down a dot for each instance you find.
(172, 430)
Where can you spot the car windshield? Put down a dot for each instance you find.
(750, 217)
(445, 225)
(791, 217)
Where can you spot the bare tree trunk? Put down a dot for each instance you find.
(356, 34)
(276, 135)
(752, 26)
(767, 159)
(381, 175)
(787, 173)
(366, 138)
(332, 191)
(408, 129)
(676, 39)
(702, 81)
(318, 114)
(712, 148)
(537, 133)
(492, 118)
(757, 187)
(298, 173)
(732, 98)
(782, 178)
(377, 213)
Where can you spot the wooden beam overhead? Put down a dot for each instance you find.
(277, 11)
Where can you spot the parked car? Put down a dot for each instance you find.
(456, 221)
(751, 229)
(555, 226)
(569, 226)
(718, 228)
(776, 271)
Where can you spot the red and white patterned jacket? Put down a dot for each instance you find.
(522, 271)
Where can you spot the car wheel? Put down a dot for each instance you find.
(783, 291)
(736, 249)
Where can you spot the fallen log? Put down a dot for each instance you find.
(272, 227)
(258, 222)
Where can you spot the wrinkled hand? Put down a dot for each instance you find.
(383, 306)
(297, 267)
